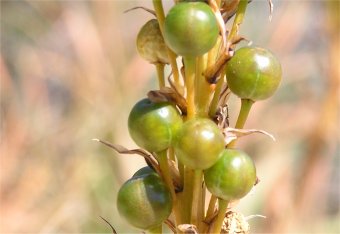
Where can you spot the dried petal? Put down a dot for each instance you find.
(167, 94)
(187, 228)
(150, 159)
(171, 225)
(235, 223)
(271, 9)
(231, 134)
(143, 8)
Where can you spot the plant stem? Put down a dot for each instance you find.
(241, 10)
(158, 6)
(164, 166)
(211, 207)
(216, 98)
(246, 105)
(197, 193)
(157, 229)
(190, 66)
(172, 154)
(203, 88)
(213, 70)
(187, 194)
(160, 74)
(202, 207)
(212, 54)
(181, 171)
(222, 209)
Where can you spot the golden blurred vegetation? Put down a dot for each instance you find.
(70, 73)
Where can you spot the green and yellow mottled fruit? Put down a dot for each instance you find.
(153, 125)
(150, 43)
(144, 201)
(144, 171)
(253, 73)
(190, 28)
(232, 176)
(199, 143)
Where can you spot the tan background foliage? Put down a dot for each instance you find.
(70, 72)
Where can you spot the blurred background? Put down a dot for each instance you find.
(70, 73)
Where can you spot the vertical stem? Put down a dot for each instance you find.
(158, 6)
(222, 209)
(164, 166)
(241, 10)
(172, 154)
(197, 186)
(190, 66)
(160, 74)
(203, 88)
(212, 54)
(187, 194)
(201, 208)
(211, 207)
(246, 105)
(218, 89)
(181, 171)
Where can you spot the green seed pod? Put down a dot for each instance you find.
(144, 171)
(153, 125)
(190, 28)
(253, 73)
(150, 43)
(144, 201)
(199, 143)
(232, 176)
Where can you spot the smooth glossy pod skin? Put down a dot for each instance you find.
(232, 176)
(144, 201)
(199, 143)
(144, 171)
(150, 43)
(153, 125)
(253, 73)
(190, 28)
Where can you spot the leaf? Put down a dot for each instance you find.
(167, 94)
(187, 228)
(149, 158)
(231, 134)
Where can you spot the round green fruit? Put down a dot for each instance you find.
(253, 73)
(199, 143)
(144, 201)
(144, 171)
(232, 176)
(150, 43)
(190, 28)
(153, 125)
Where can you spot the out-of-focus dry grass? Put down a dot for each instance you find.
(70, 73)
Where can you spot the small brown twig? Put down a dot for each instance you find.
(149, 158)
(140, 7)
(113, 230)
